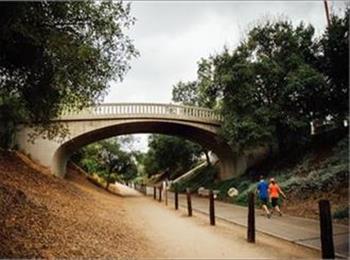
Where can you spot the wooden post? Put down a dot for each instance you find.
(211, 208)
(189, 203)
(251, 218)
(166, 194)
(154, 192)
(176, 199)
(326, 230)
(160, 194)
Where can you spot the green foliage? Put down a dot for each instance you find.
(172, 154)
(274, 83)
(334, 63)
(58, 56)
(302, 180)
(201, 92)
(341, 213)
(204, 179)
(107, 160)
(271, 89)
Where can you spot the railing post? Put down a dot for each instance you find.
(160, 194)
(189, 203)
(154, 192)
(176, 199)
(211, 208)
(251, 218)
(166, 193)
(327, 243)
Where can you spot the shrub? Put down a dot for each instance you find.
(341, 213)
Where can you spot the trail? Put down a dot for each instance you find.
(175, 235)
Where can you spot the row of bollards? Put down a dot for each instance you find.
(327, 244)
(189, 201)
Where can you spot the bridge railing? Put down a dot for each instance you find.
(144, 109)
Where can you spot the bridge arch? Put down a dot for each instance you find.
(199, 125)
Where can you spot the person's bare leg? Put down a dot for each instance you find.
(278, 210)
(266, 210)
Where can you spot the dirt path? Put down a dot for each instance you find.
(177, 236)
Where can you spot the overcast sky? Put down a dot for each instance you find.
(172, 36)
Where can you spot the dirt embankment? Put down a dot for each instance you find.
(44, 216)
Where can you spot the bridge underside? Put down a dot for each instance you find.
(56, 155)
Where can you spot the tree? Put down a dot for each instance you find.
(334, 63)
(202, 92)
(106, 159)
(278, 80)
(172, 154)
(57, 56)
(271, 87)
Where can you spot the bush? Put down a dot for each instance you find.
(341, 213)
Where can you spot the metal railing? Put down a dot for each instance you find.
(136, 110)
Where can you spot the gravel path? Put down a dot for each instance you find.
(177, 236)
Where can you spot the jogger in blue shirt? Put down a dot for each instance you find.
(263, 191)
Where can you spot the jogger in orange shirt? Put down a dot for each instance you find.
(274, 191)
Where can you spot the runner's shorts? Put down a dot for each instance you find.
(274, 202)
(263, 201)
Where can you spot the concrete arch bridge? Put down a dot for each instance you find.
(199, 125)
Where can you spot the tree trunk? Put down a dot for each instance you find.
(108, 177)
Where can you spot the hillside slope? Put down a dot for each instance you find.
(44, 216)
(322, 172)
